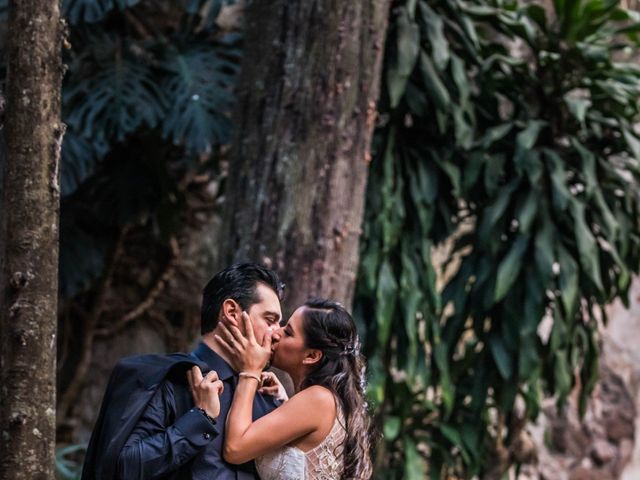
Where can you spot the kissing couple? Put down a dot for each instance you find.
(230, 419)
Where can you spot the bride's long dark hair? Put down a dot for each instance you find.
(328, 327)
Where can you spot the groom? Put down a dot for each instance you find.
(167, 445)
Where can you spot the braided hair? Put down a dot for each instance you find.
(328, 327)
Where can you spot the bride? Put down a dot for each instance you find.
(321, 432)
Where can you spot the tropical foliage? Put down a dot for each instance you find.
(506, 133)
(147, 97)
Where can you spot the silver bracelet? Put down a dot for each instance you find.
(251, 375)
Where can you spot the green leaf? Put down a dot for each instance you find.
(588, 167)
(528, 355)
(587, 245)
(442, 362)
(568, 281)
(590, 372)
(453, 435)
(531, 164)
(199, 82)
(416, 99)
(510, 267)
(463, 130)
(494, 134)
(560, 192)
(526, 211)
(433, 83)
(480, 10)
(406, 54)
(495, 211)
(440, 50)
(526, 139)
(110, 92)
(411, 298)
(460, 78)
(632, 142)
(501, 356)
(544, 241)
(577, 106)
(392, 426)
(562, 374)
(538, 14)
(386, 297)
(369, 262)
(415, 468)
(451, 170)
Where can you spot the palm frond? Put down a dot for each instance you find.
(80, 156)
(199, 82)
(111, 91)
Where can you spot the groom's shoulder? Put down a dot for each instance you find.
(150, 369)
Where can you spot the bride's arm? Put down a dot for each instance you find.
(302, 414)
(299, 416)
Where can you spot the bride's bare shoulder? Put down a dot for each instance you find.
(316, 396)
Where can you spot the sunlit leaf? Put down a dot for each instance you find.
(510, 267)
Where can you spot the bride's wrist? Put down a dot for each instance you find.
(251, 375)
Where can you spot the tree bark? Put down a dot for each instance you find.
(30, 205)
(306, 111)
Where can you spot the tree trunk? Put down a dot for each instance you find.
(306, 111)
(30, 207)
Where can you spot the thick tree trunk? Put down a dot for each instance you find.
(30, 206)
(306, 111)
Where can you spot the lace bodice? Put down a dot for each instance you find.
(324, 462)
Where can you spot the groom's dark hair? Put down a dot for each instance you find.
(238, 282)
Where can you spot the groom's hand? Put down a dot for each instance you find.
(205, 390)
(272, 386)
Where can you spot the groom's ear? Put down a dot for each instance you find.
(231, 310)
(312, 357)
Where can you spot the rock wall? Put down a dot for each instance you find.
(622, 352)
(601, 445)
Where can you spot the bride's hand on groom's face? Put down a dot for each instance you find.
(246, 354)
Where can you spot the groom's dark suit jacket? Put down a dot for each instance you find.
(165, 445)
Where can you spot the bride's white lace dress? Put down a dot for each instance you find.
(324, 462)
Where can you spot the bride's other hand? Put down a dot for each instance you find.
(244, 351)
(271, 386)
